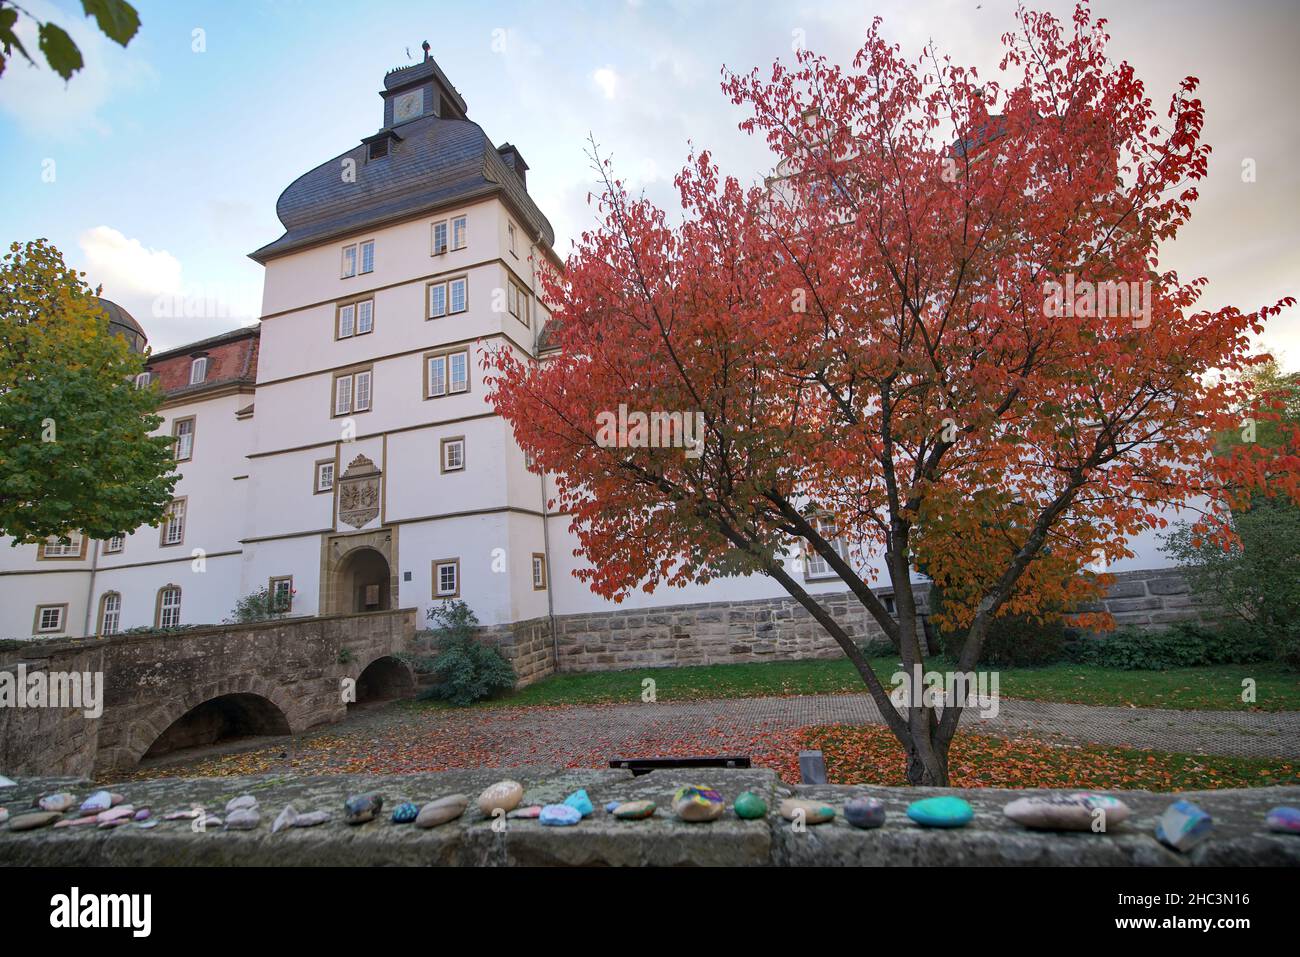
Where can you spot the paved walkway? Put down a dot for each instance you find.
(1238, 733)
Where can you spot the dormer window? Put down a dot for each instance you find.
(378, 149)
(143, 379)
(198, 370)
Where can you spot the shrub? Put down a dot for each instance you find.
(1183, 646)
(466, 669)
(1011, 641)
(261, 605)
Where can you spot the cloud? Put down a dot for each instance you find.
(607, 80)
(38, 98)
(126, 268)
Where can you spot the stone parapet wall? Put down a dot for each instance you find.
(1239, 837)
(527, 645)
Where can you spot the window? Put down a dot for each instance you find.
(349, 262)
(368, 256)
(173, 528)
(439, 238)
(110, 613)
(183, 431)
(459, 230)
(539, 571)
(168, 614)
(143, 379)
(815, 566)
(281, 591)
(70, 546)
(352, 392)
(448, 297)
(198, 370)
(446, 374)
(510, 236)
(377, 149)
(453, 454)
(446, 578)
(49, 619)
(517, 301)
(354, 319)
(324, 476)
(114, 545)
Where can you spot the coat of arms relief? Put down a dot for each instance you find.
(359, 493)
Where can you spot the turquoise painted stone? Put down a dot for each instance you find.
(940, 812)
(405, 813)
(750, 806)
(560, 815)
(1183, 826)
(579, 801)
(1284, 820)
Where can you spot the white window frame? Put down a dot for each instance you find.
(511, 237)
(169, 609)
(365, 316)
(347, 324)
(173, 529)
(320, 469)
(452, 284)
(459, 232)
(55, 549)
(348, 267)
(366, 250)
(59, 624)
(439, 590)
(815, 566)
(143, 379)
(107, 625)
(198, 370)
(111, 549)
(539, 571)
(451, 372)
(453, 448)
(184, 441)
(435, 248)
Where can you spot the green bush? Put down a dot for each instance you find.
(1013, 641)
(1185, 645)
(466, 669)
(261, 605)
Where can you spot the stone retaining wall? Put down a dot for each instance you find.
(1239, 837)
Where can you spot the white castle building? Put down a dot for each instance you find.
(342, 452)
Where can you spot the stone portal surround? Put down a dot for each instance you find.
(773, 629)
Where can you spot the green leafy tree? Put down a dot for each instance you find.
(117, 20)
(76, 453)
(467, 670)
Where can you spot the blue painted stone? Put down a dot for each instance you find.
(99, 801)
(609, 808)
(1183, 826)
(1284, 820)
(560, 815)
(941, 812)
(405, 813)
(865, 812)
(362, 808)
(579, 801)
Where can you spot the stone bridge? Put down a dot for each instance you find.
(162, 692)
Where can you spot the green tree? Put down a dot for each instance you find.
(117, 20)
(76, 453)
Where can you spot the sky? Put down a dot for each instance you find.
(156, 168)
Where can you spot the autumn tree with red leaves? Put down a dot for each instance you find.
(913, 334)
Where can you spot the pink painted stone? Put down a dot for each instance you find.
(122, 812)
(532, 811)
(78, 821)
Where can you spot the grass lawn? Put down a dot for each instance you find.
(870, 755)
(1214, 687)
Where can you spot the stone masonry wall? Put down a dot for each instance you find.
(527, 645)
(53, 740)
(1153, 599)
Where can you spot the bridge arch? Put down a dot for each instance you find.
(384, 678)
(221, 710)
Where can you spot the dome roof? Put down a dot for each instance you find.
(122, 323)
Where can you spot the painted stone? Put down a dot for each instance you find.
(609, 808)
(405, 813)
(57, 802)
(286, 818)
(634, 810)
(206, 822)
(1283, 820)
(810, 812)
(189, 815)
(695, 804)
(243, 819)
(78, 821)
(560, 815)
(147, 825)
(99, 801)
(1068, 812)
(442, 810)
(32, 820)
(142, 814)
(941, 812)
(525, 813)
(4, 815)
(122, 812)
(505, 795)
(116, 798)
(311, 818)
(362, 808)
(7, 782)
(750, 806)
(245, 802)
(579, 801)
(114, 823)
(1183, 826)
(865, 812)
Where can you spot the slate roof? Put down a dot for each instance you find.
(432, 162)
(122, 323)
